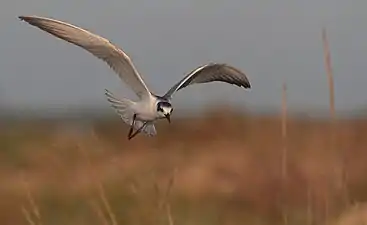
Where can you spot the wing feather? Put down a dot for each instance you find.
(209, 73)
(96, 45)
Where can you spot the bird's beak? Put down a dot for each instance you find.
(168, 117)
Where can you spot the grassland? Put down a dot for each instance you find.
(220, 169)
(230, 175)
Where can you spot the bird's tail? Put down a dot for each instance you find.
(122, 107)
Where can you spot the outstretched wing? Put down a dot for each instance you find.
(96, 45)
(209, 73)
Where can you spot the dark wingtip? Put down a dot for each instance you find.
(22, 18)
(245, 85)
(25, 18)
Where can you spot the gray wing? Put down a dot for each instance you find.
(209, 73)
(96, 45)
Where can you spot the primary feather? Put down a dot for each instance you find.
(209, 73)
(96, 45)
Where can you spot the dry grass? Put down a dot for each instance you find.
(229, 176)
(343, 183)
(284, 162)
(234, 175)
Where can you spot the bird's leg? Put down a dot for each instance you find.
(132, 126)
(138, 131)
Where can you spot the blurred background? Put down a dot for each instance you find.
(273, 154)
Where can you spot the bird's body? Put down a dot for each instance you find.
(141, 114)
(146, 110)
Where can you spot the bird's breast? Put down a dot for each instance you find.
(146, 112)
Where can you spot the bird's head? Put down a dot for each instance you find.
(164, 110)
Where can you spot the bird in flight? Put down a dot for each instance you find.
(139, 115)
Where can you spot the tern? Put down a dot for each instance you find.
(142, 114)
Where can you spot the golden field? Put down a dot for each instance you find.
(218, 169)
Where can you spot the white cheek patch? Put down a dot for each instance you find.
(166, 110)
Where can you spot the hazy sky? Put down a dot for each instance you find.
(270, 41)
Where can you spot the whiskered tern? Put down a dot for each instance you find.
(142, 114)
